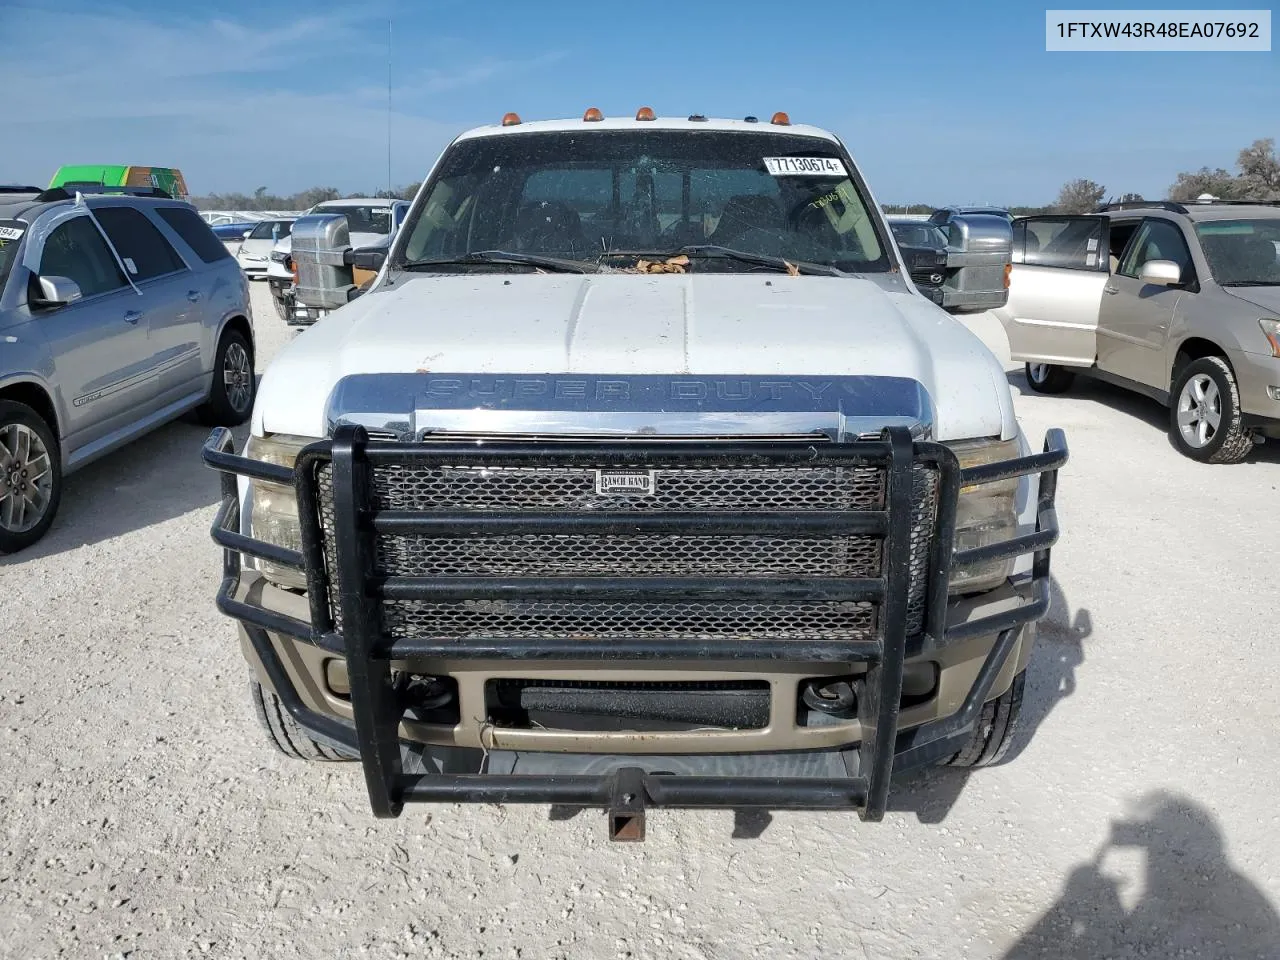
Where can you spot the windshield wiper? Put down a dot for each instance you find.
(713, 251)
(503, 256)
(1250, 283)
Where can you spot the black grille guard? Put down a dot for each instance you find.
(377, 713)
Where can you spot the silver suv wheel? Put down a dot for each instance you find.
(26, 478)
(237, 377)
(1199, 410)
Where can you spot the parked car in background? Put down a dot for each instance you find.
(1180, 302)
(117, 313)
(943, 214)
(924, 248)
(232, 233)
(371, 224)
(255, 249)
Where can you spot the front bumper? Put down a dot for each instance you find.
(848, 768)
(1258, 379)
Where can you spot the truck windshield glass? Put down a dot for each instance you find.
(1242, 252)
(919, 234)
(586, 196)
(11, 232)
(361, 219)
(270, 230)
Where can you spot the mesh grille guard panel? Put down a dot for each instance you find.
(696, 486)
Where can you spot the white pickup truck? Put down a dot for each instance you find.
(640, 476)
(371, 222)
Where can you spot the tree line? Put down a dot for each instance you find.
(1257, 177)
(260, 199)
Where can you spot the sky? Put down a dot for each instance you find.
(938, 102)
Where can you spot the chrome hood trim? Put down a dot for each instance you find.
(406, 406)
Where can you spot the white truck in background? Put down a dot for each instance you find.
(371, 223)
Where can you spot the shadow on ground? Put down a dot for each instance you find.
(1137, 406)
(156, 478)
(1051, 678)
(1192, 902)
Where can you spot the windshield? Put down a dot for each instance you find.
(584, 197)
(270, 230)
(11, 232)
(1242, 252)
(918, 234)
(361, 219)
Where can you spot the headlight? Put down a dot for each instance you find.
(985, 513)
(273, 512)
(1271, 330)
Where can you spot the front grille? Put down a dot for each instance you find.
(566, 488)
(924, 277)
(695, 487)
(533, 619)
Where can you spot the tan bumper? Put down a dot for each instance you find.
(319, 678)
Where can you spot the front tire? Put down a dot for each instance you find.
(30, 476)
(1048, 377)
(283, 731)
(231, 394)
(1206, 421)
(993, 733)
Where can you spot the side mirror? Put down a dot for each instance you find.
(245, 235)
(320, 248)
(366, 259)
(58, 291)
(979, 258)
(1161, 272)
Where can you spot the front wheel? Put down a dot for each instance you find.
(1206, 421)
(1048, 377)
(283, 731)
(30, 476)
(993, 733)
(231, 393)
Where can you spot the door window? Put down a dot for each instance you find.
(1073, 243)
(75, 250)
(1156, 240)
(144, 250)
(197, 234)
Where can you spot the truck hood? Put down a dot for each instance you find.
(626, 325)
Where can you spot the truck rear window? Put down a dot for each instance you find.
(579, 196)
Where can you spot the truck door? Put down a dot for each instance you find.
(1055, 289)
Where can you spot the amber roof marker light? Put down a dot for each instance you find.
(645, 113)
(781, 119)
(510, 119)
(592, 115)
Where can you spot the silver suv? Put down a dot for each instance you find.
(118, 312)
(1180, 302)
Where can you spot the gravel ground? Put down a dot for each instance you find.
(143, 815)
